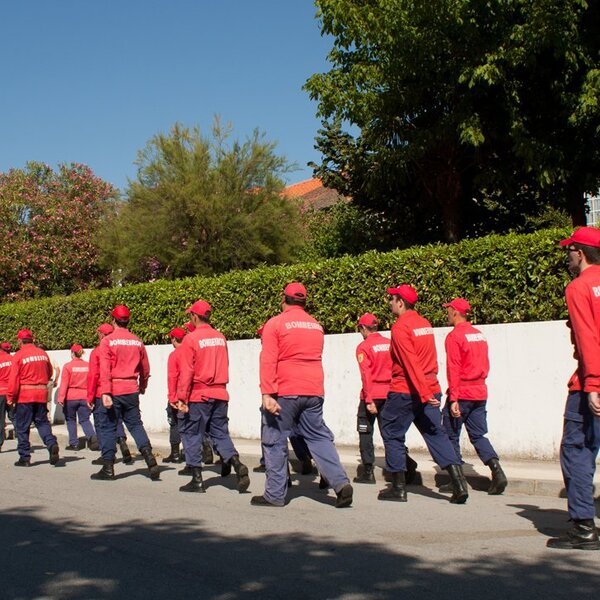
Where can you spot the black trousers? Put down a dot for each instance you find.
(365, 422)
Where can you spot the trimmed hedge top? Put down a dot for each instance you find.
(508, 278)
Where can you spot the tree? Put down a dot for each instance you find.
(201, 206)
(470, 116)
(48, 225)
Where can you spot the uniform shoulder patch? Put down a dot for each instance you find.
(361, 357)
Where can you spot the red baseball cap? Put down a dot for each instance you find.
(368, 320)
(121, 313)
(587, 236)
(24, 334)
(105, 328)
(76, 348)
(295, 290)
(200, 308)
(6, 346)
(406, 292)
(459, 304)
(177, 332)
(189, 326)
(260, 330)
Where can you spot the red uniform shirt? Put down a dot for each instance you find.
(173, 371)
(73, 381)
(93, 375)
(414, 359)
(291, 355)
(467, 363)
(124, 366)
(204, 366)
(5, 365)
(375, 365)
(583, 302)
(30, 373)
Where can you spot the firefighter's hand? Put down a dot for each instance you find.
(370, 406)
(434, 402)
(454, 410)
(594, 403)
(270, 404)
(182, 407)
(107, 401)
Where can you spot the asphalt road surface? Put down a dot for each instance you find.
(65, 536)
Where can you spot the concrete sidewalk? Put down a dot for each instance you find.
(532, 477)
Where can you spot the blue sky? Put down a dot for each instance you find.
(91, 81)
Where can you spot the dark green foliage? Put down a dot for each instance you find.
(511, 278)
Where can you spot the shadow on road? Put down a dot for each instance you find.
(188, 559)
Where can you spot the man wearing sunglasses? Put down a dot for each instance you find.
(581, 429)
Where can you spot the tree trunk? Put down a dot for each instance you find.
(576, 203)
(448, 189)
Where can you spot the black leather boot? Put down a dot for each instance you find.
(241, 470)
(125, 453)
(582, 536)
(185, 472)
(412, 475)
(260, 469)
(151, 463)
(23, 462)
(196, 484)
(174, 456)
(306, 466)
(499, 481)
(366, 474)
(344, 497)
(53, 452)
(397, 491)
(323, 483)
(106, 473)
(460, 490)
(92, 444)
(208, 458)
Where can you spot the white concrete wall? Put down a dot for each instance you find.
(530, 365)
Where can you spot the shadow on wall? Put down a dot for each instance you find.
(176, 559)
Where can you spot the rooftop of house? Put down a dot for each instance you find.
(313, 194)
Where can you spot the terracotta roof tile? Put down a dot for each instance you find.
(313, 194)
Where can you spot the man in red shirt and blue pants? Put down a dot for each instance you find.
(581, 425)
(414, 397)
(467, 368)
(124, 373)
(292, 387)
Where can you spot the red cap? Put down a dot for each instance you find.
(368, 320)
(105, 328)
(588, 236)
(76, 348)
(459, 304)
(189, 326)
(121, 312)
(200, 308)
(177, 332)
(295, 290)
(260, 329)
(24, 334)
(406, 292)
(6, 346)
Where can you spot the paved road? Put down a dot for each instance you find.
(65, 536)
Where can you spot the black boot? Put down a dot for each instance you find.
(53, 452)
(366, 474)
(174, 456)
(151, 463)
(98, 461)
(106, 473)
(260, 469)
(582, 536)
(499, 481)
(125, 453)
(225, 468)
(196, 484)
(208, 458)
(397, 491)
(413, 477)
(81, 443)
(185, 472)
(241, 471)
(306, 467)
(23, 462)
(92, 444)
(460, 490)
(323, 483)
(344, 497)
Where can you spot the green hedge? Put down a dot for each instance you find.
(509, 278)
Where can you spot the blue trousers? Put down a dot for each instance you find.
(174, 437)
(202, 419)
(74, 409)
(96, 413)
(397, 415)
(296, 440)
(126, 408)
(306, 414)
(473, 414)
(578, 451)
(26, 414)
(2, 418)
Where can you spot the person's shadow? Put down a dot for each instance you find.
(548, 521)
